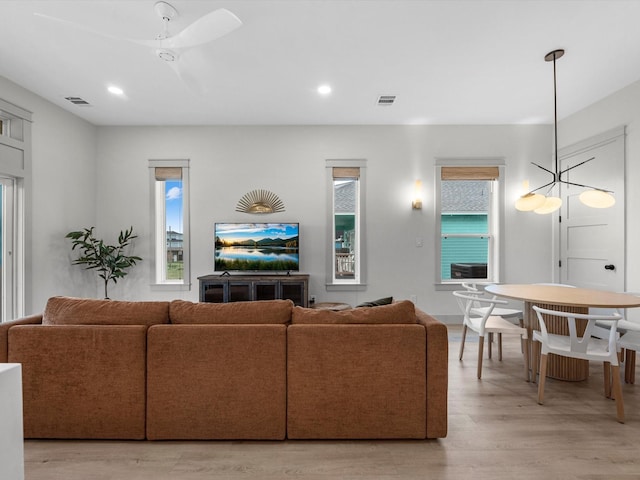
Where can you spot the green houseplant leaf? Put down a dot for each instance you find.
(110, 261)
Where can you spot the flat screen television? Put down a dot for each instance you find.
(250, 247)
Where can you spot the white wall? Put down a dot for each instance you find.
(620, 108)
(85, 175)
(63, 196)
(227, 162)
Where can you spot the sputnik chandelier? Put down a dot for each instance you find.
(593, 197)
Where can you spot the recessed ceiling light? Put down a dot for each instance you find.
(115, 90)
(324, 89)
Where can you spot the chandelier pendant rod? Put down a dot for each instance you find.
(585, 186)
(555, 115)
(557, 175)
(579, 184)
(543, 168)
(577, 165)
(553, 182)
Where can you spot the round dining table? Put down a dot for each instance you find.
(565, 299)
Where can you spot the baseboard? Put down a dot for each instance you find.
(449, 319)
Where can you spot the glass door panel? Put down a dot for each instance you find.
(7, 267)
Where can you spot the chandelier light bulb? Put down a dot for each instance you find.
(597, 198)
(530, 201)
(550, 205)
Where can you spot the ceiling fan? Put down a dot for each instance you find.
(170, 47)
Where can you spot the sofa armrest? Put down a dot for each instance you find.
(437, 374)
(4, 332)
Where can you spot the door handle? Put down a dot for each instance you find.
(609, 267)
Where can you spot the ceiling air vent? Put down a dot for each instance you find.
(78, 101)
(386, 99)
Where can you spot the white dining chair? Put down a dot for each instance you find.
(630, 343)
(582, 346)
(487, 323)
(508, 313)
(629, 323)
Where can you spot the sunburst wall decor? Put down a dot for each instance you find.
(260, 201)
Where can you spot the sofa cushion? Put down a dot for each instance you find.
(89, 311)
(82, 381)
(356, 381)
(215, 382)
(400, 312)
(260, 312)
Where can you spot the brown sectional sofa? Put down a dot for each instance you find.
(246, 370)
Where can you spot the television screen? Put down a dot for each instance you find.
(272, 247)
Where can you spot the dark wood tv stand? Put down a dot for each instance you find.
(219, 288)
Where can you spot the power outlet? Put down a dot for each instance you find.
(312, 299)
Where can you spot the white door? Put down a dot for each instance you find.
(7, 264)
(592, 240)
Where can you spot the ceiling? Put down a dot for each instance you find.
(447, 61)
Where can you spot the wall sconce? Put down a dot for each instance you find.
(416, 204)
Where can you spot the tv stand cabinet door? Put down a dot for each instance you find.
(295, 290)
(240, 291)
(265, 290)
(214, 291)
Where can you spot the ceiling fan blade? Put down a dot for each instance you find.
(204, 30)
(193, 82)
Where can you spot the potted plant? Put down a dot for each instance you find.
(109, 260)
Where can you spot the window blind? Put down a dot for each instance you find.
(168, 173)
(346, 172)
(469, 173)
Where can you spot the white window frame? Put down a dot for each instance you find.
(5, 122)
(159, 227)
(496, 218)
(9, 267)
(16, 164)
(13, 121)
(333, 283)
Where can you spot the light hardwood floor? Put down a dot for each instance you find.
(496, 431)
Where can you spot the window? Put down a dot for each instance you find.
(15, 210)
(468, 202)
(346, 192)
(170, 191)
